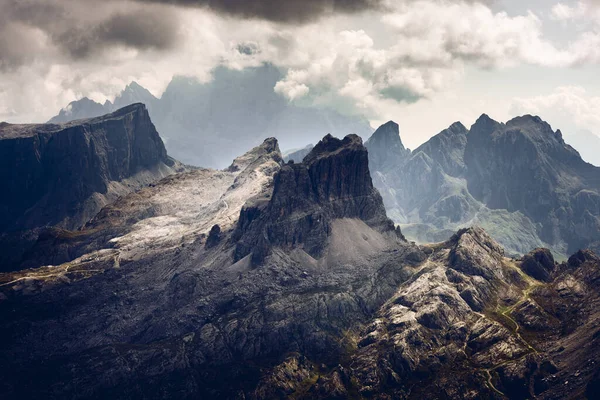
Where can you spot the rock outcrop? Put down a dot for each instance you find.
(62, 175)
(333, 182)
(385, 148)
(539, 264)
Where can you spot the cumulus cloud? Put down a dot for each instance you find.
(431, 44)
(570, 108)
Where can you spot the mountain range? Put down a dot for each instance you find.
(205, 124)
(276, 278)
(519, 180)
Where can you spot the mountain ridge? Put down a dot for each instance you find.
(461, 177)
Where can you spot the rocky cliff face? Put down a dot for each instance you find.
(526, 166)
(333, 182)
(385, 148)
(519, 180)
(62, 175)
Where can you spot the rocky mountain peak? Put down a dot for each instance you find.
(539, 264)
(135, 86)
(269, 149)
(457, 128)
(388, 132)
(297, 155)
(385, 146)
(83, 108)
(134, 93)
(333, 182)
(484, 125)
(330, 145)
(581, 257)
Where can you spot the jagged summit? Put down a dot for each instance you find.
(457, 128)
(330, 145)
(134, 93)
(484, 125)
(133, 85)
(386, 150)
(269, 148)
(80, 109)
(519, 180)
(333, 182)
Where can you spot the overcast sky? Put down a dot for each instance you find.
(422, 63)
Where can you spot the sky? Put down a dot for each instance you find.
(422, 63)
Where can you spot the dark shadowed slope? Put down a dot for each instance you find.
(61, 175)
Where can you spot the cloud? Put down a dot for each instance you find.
(570, 108)
(395, 53)
(285, 11)
(38, 29)
(430, 45)
(291, 89)
(582, 12)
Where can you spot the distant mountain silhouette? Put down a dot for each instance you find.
(208, 124)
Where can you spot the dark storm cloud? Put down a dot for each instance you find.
(80, 29)
(142, 30)
(287, 11)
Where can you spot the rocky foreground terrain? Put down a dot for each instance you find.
(62, 175)
(519, 180)
(287, 280)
